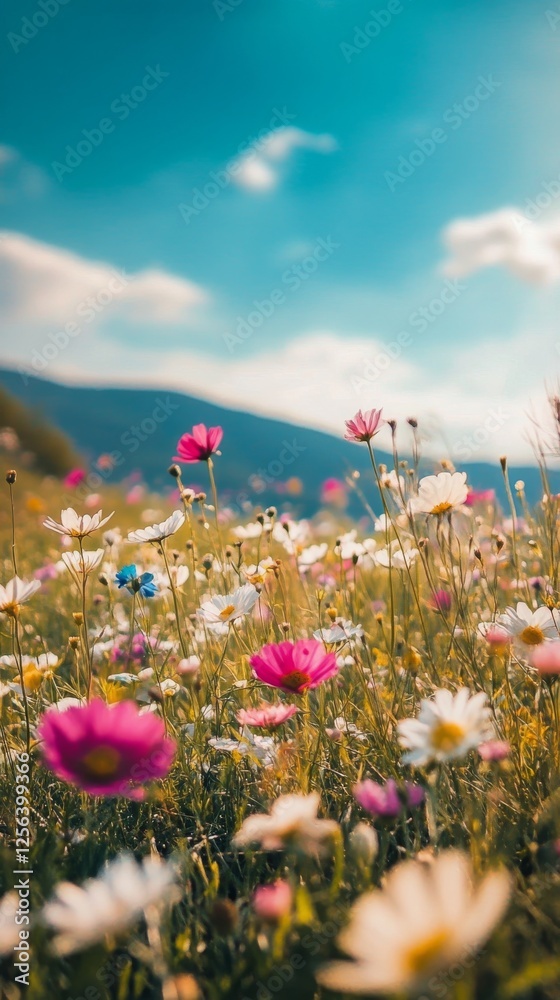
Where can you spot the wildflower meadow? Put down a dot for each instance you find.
(263, 757)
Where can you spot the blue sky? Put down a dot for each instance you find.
(351, 115)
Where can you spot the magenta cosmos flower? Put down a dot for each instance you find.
(364, 426)
(266, 716)
(200, 445)
(294, 666)
(387, 800)
(106, 750)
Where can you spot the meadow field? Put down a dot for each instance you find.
(258, 758)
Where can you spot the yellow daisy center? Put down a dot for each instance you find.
(11, 609)
(447, 736)
(424, 954)
(532, 636)
(227, 611)
(102, 762)
(441, 508)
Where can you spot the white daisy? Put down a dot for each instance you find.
(82, 564)
(292, 822)
(339, 631)
(76, 525)
(423, 920)
(252, 530)
(16, 592)
(83, 915)
(440, 494)
(395, 557)
(447, 727)
(529, 628)
(157, 532)
(313, 554)
(293, 535)
(222, 609)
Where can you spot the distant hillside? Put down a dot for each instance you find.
(141, 427)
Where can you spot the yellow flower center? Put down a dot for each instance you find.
(11, 609)
(102, 762)
(532, 636)
(297, 680)
(447, 736)
(441, 508)
(227, 611)
(423, 955)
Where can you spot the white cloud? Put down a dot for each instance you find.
(321, 378)
(19, 180)
(44, 286)
(529, 249)
(256, 169)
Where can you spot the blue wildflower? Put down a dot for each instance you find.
(144, 584)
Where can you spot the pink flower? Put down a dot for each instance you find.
(546, 658)
(364, 426)
(441, 601)
(294, 666)
(74, 477)
(387, 800)
(200, 445)
(266, 716)
(106, 750)
(480, 496)
(494, 750)
(496, 636)
(272, 902)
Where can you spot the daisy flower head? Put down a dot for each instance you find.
(267, 716)
(440, 494)
(81, 916)
(106, 750)
(294, 666)
(447, 727)
(364, 425)
(81, 564)
(423, 920)
(15, 593)
(529, 628)
(199, 445)
(222, 609)
(157, 532)
(292, 822)
(76, 525)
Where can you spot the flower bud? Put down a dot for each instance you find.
(364, 843)
(11, 476)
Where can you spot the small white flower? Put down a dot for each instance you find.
(313, 554)
(169, 687)
(82, 564)
(252, 530)
(339, 631)
(447, 727)
(261, 747)
(292, 821)
(76, 525)
(157, 532)
(440, 494)
(423, 920)
(16, 592)
(529, 628)
(395, 557)
(124, 678)
(222, 609)
(9, 930)
(83, 915)
(293, 535)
